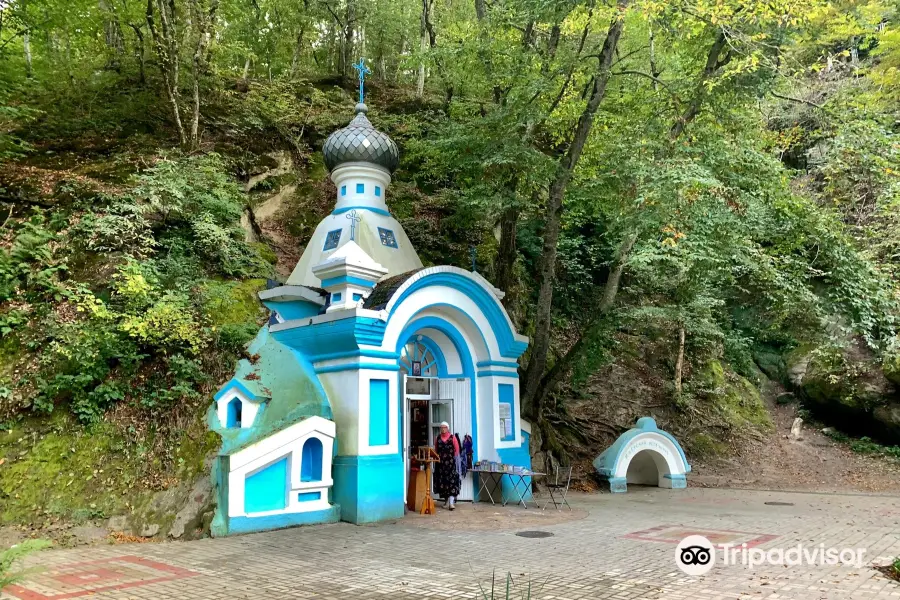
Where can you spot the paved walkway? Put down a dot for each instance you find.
(619, 547)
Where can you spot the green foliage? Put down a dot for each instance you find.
(30, 266)
(864, 445)
(508, 590)
(11, 556)
(141, 334)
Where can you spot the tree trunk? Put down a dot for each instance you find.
(112, 32)
(679, 362)
(654, 70)
(167, 44)
(139, 53)
(427, 38)
(714, 62)
(607, 301)
(508, 251)
(298, 50)
(26, 41)
(480, 10)
(246, 71)
(423, 45)
(565, 168)
(26, 44)
(203, 20)
(347, 44)
(548, 383)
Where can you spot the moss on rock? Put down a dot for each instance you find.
(62, 471)
(233, 302)
(734, 398)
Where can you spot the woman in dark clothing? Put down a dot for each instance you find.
(446, 477)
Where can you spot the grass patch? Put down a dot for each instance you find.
(864, 445)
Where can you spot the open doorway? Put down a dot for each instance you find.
(429, 397)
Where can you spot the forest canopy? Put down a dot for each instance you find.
(707, 185)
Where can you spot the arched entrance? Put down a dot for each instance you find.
(644, 455)
(436, 386)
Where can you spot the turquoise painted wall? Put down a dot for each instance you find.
(311, 460)
(369, 488)
(521, 457)
(379, 419)
(250, 524)
(267, 489)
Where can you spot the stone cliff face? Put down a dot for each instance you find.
(850, 387)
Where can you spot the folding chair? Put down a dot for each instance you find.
(559, 487)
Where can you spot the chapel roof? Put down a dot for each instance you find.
(360, 142)
(385, 290)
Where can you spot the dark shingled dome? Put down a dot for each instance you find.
(360, 142)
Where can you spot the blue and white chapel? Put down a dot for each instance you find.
(366, 351)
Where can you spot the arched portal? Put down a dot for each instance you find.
(436, 370)
(644, 455)
(647, 467)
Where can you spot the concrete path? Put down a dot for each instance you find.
(619, 547)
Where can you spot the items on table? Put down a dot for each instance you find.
(495, 467)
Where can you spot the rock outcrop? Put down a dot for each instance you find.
(850, 387)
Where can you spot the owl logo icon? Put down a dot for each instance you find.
(695, 555)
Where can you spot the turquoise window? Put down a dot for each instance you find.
(506, 394)
(309, 496)
(357, 297)
(360, 188)
(336, 297)
(267, 488)
(332, 239)
(234, 413)
(379, 422)
(377, 191)
(311, 460)
(387, 237)
(343, 190)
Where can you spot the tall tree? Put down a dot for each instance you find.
(571, 155)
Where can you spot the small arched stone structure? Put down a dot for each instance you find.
(644, 455)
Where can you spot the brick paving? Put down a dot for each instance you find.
(612, 547)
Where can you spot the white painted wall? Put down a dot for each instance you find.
(451, 356)
(660, 449)
(287, 442)
(342, 389)
(459, 391)
(496, 439)
(249, 408)
(349, 174)
(454, 307)
(397, 260)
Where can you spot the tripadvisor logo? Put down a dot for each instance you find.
(696, 555)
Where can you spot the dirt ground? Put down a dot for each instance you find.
(813, 463)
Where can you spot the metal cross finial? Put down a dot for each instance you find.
(473, 252)
(354, 219)
(363, 71)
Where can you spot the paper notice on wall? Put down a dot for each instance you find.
(506, 422)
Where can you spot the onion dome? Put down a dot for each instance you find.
(360, 142)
